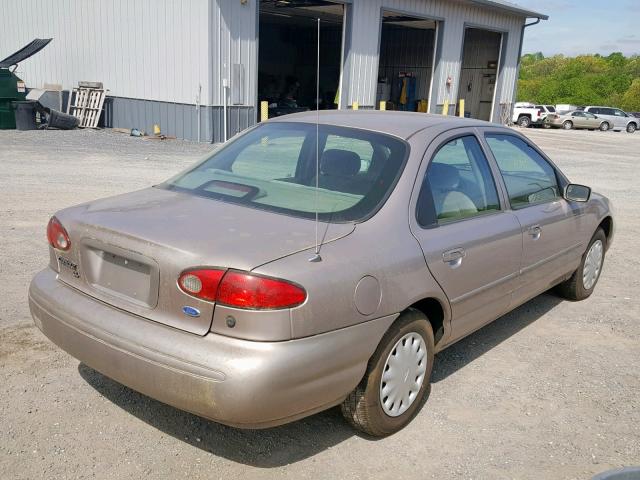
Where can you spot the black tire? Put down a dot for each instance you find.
(631, 128)
(567, 125)
(574, 289)
(604, 126)
(362, 408)
(524, 121)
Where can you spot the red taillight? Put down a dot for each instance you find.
(244, 290)
(241, 290)
(201, 283)
(57, 235)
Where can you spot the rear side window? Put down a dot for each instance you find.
(529, 178)
(458, 184)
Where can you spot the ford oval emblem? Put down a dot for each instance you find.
(191, 311)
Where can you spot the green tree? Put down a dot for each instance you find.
(582, 80)
(631, 99)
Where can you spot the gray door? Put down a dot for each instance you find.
(551, 227)
(620, 118)
(579, 119)
(591, 121)
(471, 244)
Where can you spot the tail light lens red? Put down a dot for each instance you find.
(57, 236)
(241, 290)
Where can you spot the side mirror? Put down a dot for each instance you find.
(577, 193)
(595, 116)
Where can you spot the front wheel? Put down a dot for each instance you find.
(631, 128)
(524, 122)
(584, 279)
(396, 382)
(604, 126)
(568, 125)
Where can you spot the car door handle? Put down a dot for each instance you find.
(453, 257)
(535, 231)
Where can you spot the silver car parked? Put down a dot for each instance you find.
(575, 119)
(615, 118)
(305, 265)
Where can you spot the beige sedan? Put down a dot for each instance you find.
(575, 119)
(248, 289)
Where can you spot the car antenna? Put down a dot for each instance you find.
(316, 257)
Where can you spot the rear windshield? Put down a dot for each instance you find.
(273, 167)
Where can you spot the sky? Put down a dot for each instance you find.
(583, 26)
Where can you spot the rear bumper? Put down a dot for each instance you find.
(236, 382)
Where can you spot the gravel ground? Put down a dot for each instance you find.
(551, 390)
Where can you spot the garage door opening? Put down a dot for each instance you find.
(288, 51)
(405, 69)
(480, 65)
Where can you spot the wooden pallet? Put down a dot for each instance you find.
(87, 105)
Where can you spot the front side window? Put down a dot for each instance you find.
(458, 184)
(273, 167)
(529, 178)
(619, 113)
(551, 108)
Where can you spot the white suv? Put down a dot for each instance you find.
(615, 118)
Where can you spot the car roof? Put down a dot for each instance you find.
(399, 124)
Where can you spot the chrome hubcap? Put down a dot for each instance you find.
(403, 374)
(592, 265)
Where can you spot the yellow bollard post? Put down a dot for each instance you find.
(264, 111)
(445, 108)
(383, 105)
(355, 106)
(461, 108)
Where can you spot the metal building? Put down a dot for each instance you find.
(202, 67)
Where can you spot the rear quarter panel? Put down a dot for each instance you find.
(381, 247)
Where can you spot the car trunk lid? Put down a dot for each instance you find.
(128, 251)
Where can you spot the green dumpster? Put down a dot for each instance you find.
(9, 92)
(11, 87)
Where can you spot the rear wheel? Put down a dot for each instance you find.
(584, 279)
(604, 126)
(631, 128)
(524, 122)
(567, 125)
(396, 382)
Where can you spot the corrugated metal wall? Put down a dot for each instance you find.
(145, 49)
(456, 15)
(234, 41)
(161, 50)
